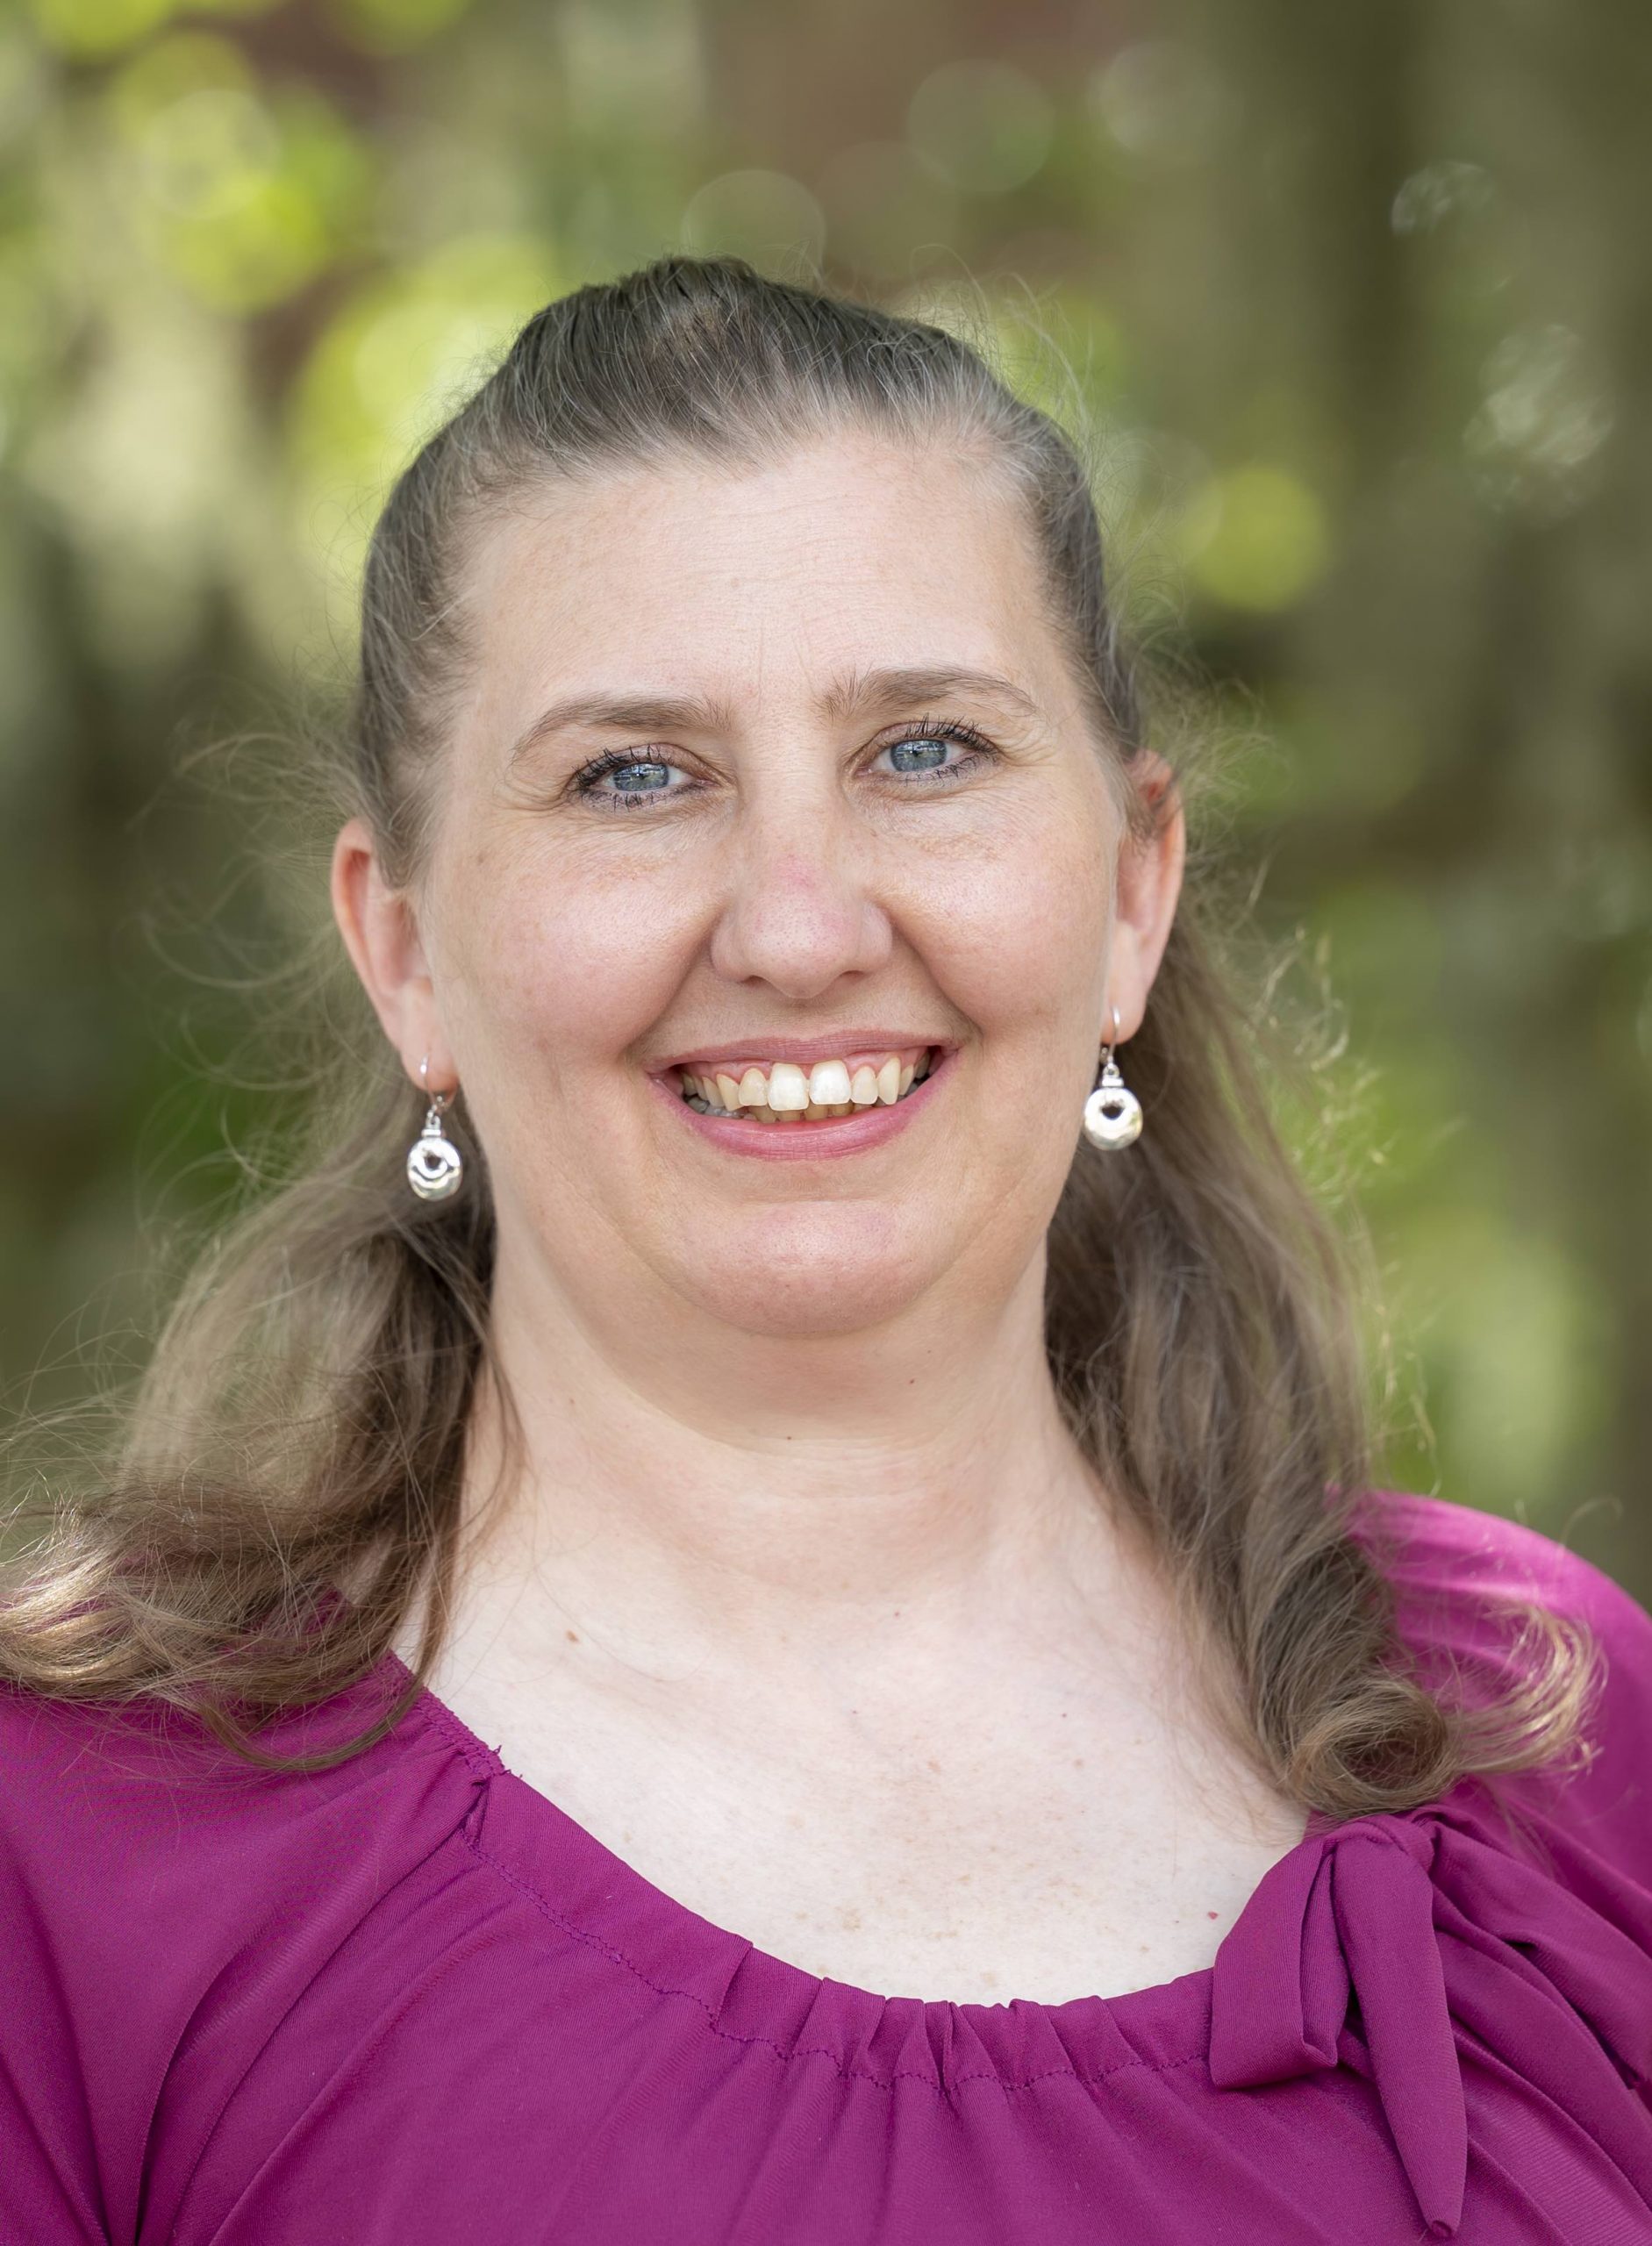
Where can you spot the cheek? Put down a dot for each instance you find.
(1021, 926)
(552, 961)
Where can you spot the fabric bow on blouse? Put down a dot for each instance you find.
(1419, 1919)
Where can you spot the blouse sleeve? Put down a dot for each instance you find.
(73, 2029)
(1459, 1574)
(161, 1908)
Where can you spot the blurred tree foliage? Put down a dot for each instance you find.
(1360, 299)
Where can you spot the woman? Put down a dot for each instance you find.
(849, 1420)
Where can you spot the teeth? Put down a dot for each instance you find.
(828, 1083)
(791, 1094)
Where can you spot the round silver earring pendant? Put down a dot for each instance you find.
(1112, 1113)
(434, 1164)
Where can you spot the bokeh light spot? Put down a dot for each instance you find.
(1440, 191)
(1541, 420)
(1162, 100)
(393, 26)
(96, 27)
(143, 90)
(393, 364)
(981, 127)
(1259, 538)
(209, 151)
(767, 218)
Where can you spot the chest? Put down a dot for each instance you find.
(1031, 1851)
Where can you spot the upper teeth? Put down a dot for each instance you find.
(783, 1089)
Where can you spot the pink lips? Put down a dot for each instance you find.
(808, 1141)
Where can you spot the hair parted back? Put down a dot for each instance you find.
(300, 1428)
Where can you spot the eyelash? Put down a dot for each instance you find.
(617, 760)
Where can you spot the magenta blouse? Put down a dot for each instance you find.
(409, 2002)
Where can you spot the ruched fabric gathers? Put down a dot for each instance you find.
(409, 2001)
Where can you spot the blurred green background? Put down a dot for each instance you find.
(1361, 298)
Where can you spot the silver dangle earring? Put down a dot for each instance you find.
(434, 1164)
(1112, 1113)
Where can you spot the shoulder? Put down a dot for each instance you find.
(116, 1814)
(1455, 1561)
(148, 1877)
(1465, 1584)
(152, 1786)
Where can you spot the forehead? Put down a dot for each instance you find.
(848, 550)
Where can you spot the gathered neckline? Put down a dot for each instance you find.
(594, 1894)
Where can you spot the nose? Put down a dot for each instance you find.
(798, 906)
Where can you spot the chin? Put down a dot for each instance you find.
(808, 1292)
(803, 1318)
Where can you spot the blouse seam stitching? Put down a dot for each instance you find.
(807, 2050)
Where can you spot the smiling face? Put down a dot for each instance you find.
(734, 780)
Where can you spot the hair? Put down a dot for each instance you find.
(284, 1488)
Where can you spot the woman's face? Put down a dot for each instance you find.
(734, 782)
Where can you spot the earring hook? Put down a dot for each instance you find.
(439, 1101)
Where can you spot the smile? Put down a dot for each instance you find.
(783, 1092)
(779, 1110)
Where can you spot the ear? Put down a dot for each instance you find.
(1149, 882)
(380, 934)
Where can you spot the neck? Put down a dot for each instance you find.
(694, 1491)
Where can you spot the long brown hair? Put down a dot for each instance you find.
(300, 1430)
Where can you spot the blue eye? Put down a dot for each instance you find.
(639, 778)
(917, 759)
(917, 755)
(932, 744)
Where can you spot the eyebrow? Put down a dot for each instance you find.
(853, 694)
